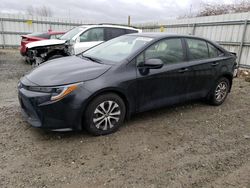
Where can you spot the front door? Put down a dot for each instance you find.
(167, 85)
(88, 39)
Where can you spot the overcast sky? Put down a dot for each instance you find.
(115, 11)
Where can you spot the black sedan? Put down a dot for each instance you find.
(98, 89)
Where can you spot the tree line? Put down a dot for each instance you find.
(210, 9)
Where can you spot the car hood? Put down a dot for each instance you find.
(66, 70)
(49, 42)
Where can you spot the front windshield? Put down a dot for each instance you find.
(117, 49)
(71, 33)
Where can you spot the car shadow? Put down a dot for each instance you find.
(143, 116)
(167, 110)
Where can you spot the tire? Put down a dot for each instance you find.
(219, 92)
(104, 114)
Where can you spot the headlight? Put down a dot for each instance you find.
(62, 92)
(57, 93)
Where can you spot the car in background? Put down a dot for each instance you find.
(75, 41)
(99, 88)
(37, 36)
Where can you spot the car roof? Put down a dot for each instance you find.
(159, 35)
(108, 25)
(162, 35)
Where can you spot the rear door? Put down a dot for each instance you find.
(203, 63)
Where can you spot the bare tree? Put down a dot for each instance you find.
(30, 10)
(208, 9)
(40, 11)
(44, 11)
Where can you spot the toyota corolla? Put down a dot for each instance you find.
(99, 88)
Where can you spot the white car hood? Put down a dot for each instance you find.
(48, 42)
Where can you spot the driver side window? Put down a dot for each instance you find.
(168, 50)
(95, 34)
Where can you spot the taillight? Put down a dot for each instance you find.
(24, 39)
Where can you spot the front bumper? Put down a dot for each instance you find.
(28, 111)
(63, 114)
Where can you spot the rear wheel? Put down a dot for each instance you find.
(220, 91)
(104, 114)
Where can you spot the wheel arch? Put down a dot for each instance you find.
(229, 76)
(116, 91)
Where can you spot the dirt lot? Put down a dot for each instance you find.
(191, 145)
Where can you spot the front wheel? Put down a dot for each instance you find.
(220, 91)
(104, 114)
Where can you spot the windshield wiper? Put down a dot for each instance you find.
(92, 59)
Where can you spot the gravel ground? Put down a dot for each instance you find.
(189, 145)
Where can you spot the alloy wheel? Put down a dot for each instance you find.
(106, 115)
(221, 91)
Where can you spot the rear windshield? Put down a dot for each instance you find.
(41, 35)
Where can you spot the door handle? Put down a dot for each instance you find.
(183, 70)
(214, 64)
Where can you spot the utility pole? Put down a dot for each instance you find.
(128, 20)
(190, 15)
(190, 10)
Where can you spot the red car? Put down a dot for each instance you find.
(37, 37)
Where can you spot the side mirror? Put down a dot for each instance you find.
(153, 64)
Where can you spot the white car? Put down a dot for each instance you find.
(74, 41)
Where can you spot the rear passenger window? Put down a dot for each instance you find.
(197, 49)
(114, 32)
(128, 31)
(213, 51)
(168, 50)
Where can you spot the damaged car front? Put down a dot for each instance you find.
(75, 41)
(41, 51)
